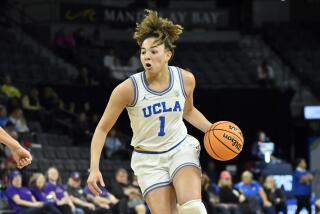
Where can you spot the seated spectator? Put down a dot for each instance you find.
(54, 187)
(105, 202)
(21, 199)
(254, 193)
(31, 101)
(229, 196)
(80, 37)
(78, 195)
(210, 196)
(275, 195)
(318, 206)
(265, 74)
(112, 143)
(134, 62)
(81, 130)
(9, 89)
(19, 121)
(49, 99)
(126, 194)
(84, 78)
(36, 185)
(3, 116)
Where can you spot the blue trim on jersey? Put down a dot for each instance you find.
(136, 91)
(156, 92)
(182, 83)
(154, 152)
(155, 186)
(183, 165)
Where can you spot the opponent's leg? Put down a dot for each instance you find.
(162, 200)
(187, 184)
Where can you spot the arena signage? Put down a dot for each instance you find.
(125, 17)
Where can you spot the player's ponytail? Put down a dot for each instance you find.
(163, 29)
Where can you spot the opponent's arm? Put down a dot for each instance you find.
(20, 154)
(191, 113)
(121, 96)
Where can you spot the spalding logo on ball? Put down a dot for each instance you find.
(223, 141)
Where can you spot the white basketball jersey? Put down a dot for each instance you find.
(157, 117)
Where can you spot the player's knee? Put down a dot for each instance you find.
(193, 207)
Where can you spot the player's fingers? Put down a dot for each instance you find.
(94, 187)
(24, 162)
(101, 181)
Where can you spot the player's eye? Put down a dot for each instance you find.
(154, 52)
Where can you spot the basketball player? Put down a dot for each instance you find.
(165, 157)
(21, 156)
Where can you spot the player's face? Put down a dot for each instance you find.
(154, 57)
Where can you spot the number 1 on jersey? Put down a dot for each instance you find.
(162, 123)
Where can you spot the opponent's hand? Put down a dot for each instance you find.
(95, 177)
(21, 156)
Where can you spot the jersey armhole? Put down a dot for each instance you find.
(182, 82)
(135, 92)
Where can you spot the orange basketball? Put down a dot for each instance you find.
(223, 141)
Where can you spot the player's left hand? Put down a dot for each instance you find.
(21, 156)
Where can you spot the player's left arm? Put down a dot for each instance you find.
(191, 113)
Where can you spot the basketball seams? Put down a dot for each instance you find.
(219, 123)
(213, 150)
(224, 144)
(240, 138)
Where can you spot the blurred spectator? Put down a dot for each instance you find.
(301, 185)
(21, 199)
(78, 195)
(36, 185)
(318, 206)
(210, 196)
(19, 121)
(229, 196)
(31, 101)
(261, 138)
(134, 62)
(65, 44)
(9, 89)
(3, 116)
(96, 39)
(54, 187)
(110, 60)
(80, 37)
(105, 202)
(85, 78)
(254, 193)
(50, 99)
(127, 194)
(113, 143)
(275, 195)
(265, 74)
(81, 130)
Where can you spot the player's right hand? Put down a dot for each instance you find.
(95, 177)
(21, 156)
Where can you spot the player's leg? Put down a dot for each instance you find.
(187, 184)
(185, 174)
(162, 200)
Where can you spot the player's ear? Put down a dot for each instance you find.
(168, 55)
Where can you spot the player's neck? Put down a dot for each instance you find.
(160, 77)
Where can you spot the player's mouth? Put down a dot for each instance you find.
(148, 66)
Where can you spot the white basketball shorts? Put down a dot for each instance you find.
(157, 169)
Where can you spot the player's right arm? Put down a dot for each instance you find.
(20, 154)
(121, 97)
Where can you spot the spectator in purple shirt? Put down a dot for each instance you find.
(54, 187)
(36, 184)
(21, 199)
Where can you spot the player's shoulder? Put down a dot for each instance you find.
(187, 76)
(124, 90)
